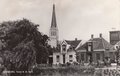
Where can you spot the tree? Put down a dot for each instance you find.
(22, 42)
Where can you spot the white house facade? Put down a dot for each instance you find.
(67, 52)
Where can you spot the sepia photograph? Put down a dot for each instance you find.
(60, 38)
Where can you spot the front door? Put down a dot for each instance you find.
(63, 58)
(50, 60)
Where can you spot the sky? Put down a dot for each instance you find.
(75, 18)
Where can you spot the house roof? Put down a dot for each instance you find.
(98, 43)
(73, 43)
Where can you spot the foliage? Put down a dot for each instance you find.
(22, 44)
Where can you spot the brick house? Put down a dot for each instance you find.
(99, 50)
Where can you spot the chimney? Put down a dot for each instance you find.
(100, 35)
(75, 39)
(92, 36)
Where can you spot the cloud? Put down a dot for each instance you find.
(80, 16)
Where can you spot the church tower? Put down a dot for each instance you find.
(53, 34)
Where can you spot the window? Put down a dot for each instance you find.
(97, 56)
(89, 46)
(53, 33)
(64, 47)
(70, 56)
(57, 58)
(82, 56)
(71, 48)
(70, 60)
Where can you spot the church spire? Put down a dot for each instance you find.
(53, 30)
(53, 22)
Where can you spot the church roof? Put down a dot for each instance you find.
(98, 43)
(53, 22)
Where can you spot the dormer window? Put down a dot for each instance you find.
(64, 48)
(89, 46)
(70, 48)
